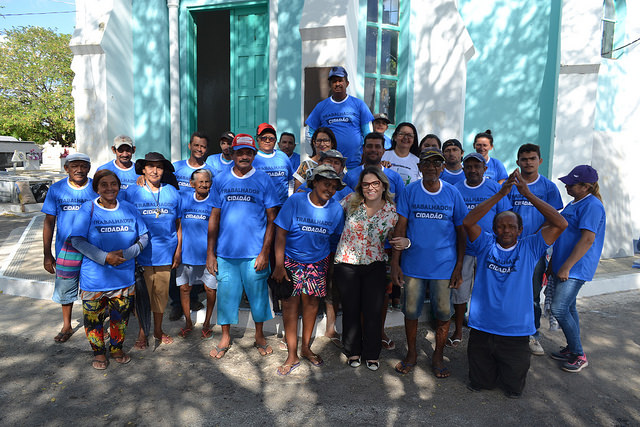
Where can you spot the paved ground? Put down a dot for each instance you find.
(42, 383)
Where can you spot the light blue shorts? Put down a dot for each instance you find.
(187, 274)
(65, 291)
(233, 276)
(414, 294)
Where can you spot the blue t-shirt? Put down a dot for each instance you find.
(502, 294)
(532, 219)
(387, 143)
(309, 227)
(452, 177)
(396, 184)
(295, 161)
(278, 167)
(346, 119)
(163, 235)
(64, 202)
(183, 174)
(127, 176)
(219, 164)
(195, 223)
(243, 202)
(473, 196)
(108, 230)
(495, 170)
(432, 218)
(586, 214)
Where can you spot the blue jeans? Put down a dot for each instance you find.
(564, 310)
(439, 294)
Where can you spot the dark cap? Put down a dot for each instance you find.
(154, 157)
(476, 156)
(243, 140)
(338, 72)
(451, 142)
(327, 172)
(382, 117)
(265, 127)
(227, 135)
(582, 173)
(431, 152)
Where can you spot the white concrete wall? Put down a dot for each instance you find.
(442, 48)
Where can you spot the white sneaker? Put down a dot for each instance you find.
(535, 347)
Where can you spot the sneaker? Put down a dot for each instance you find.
(553, 324)
(563, 354)
(576, 363)
(535, 347)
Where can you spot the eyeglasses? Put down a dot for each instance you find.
(268, 138)
(405, 135)
(322, 140)
(374, 185)
(434, 163)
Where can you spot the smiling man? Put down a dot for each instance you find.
(500, 313)
(348, 117)
(198, 145)
(124, 148)
(274, 163)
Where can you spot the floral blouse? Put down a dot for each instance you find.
(362, 240)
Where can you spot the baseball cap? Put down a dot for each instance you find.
(243, 140)
(476, 156)
(451, 142)
(328, 172)
(338, 72)
(265, 127)
(382, 117)
(331, 154)
(228, 135)
(431, 152)
(581, 173)
(121, 140)
(77, 156)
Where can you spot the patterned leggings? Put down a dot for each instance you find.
(95, 312)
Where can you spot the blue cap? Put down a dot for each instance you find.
(476, 156)
(580, 174)
(338, 72)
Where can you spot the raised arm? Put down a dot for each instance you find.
(470, 222)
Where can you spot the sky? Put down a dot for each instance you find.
(60, 22)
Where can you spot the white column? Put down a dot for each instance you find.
(174, 80)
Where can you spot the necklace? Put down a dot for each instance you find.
(158, 211)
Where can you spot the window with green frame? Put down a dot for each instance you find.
(381, 57)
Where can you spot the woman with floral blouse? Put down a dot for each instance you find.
(360, 259)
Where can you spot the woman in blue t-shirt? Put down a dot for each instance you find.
(483, 143)
(304, 227)
(110, 234)
(575, 258)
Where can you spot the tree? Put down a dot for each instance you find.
(35, 85)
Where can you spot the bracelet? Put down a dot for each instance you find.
(140, 245)
(409, 245)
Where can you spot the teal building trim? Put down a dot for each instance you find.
(512, 81)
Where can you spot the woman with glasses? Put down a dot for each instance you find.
(322, 140)
(402, 157)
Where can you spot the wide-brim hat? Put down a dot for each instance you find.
(327, 172)
(154, 157)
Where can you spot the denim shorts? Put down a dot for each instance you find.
(187, 274)
(65, 291)
(463, 293)
(414, 294)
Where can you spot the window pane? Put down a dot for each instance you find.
(390, 10)
(372, 11)
(370, 93)
(389, 54)
(388, 98)
(372, 44)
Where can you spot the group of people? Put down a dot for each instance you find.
(398, 223)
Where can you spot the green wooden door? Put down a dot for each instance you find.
(249, 34)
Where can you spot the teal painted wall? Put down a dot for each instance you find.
(512, 80)
(289, 73)
(151, 77)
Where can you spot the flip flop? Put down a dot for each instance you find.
(219, 350)
(453, 342)
(337, 342)
(287, 369)
(123, 359)
(165, 339)
(315, 360)
(141, 345)
(388, 344)
(63, 337)
(282, 345)
(441, 373)
(100, 365)
(264, 347)
(207, 334)
(185, 332)
(404, 367)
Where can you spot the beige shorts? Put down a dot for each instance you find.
(157, 280)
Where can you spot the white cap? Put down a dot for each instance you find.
(77, 156)
(123, 140)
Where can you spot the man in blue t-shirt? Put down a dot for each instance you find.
(222, 161)
(373, 151)
(501, 314)
(430, 214)
(198, 145)
(475, 189)
(63, 201)
(274, 163)
(452, 151)
(287, 144)
(348, 117)
(240, 235)
(529, 161)
(124, 148)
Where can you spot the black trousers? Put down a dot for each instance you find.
(497, 359)
(362, 289)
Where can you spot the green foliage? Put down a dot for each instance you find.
(35, 85)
